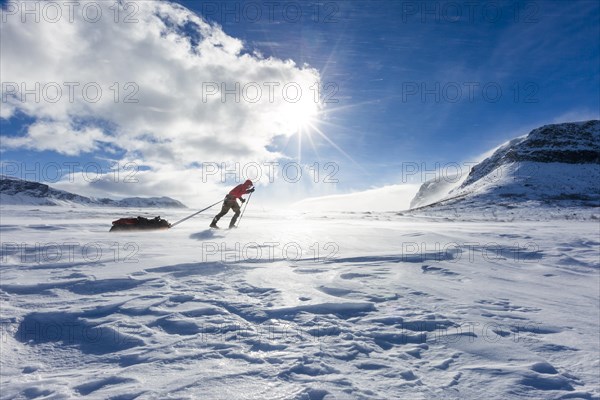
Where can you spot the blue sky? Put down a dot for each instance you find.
(543, 55)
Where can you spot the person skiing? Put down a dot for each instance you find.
(230, 202)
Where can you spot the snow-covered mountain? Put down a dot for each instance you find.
(554, 165)
(15, 191)
(435, 189)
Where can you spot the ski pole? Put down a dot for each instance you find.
(194, 214)
(244, 210)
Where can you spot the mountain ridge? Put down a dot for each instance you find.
(555, 164)
(15, 191)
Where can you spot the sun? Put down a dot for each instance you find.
(307, 121)
(298, 117)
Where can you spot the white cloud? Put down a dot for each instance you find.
(155, 62)
(44, 135)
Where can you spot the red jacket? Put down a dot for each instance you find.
(239, 190)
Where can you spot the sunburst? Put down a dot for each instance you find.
(309, 122)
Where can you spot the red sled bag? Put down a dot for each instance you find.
(139, 224)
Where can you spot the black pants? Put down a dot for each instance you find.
(229, 203)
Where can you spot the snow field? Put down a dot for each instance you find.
(307, 306)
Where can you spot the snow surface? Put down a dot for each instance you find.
(392, 306)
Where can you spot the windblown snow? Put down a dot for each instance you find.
(555, 166)
(352, 305)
